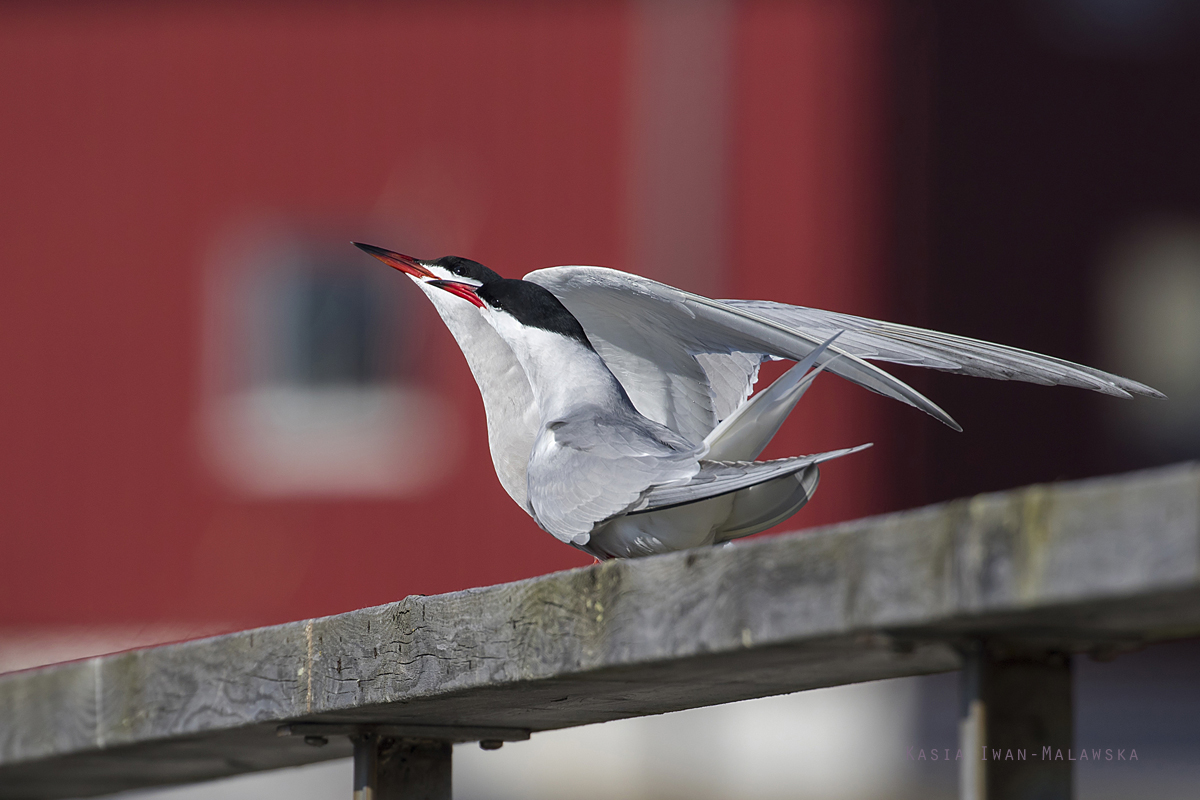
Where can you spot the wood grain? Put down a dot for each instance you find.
(1102, 564)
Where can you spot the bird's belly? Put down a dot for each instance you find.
(693, 525)
(512, 429)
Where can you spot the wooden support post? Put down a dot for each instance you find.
(366, 766)
(1015, 728)
(400, 769)
(411, 770)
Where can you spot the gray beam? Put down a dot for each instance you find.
(1098, 565)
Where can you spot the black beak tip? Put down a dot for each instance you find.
(372, 249)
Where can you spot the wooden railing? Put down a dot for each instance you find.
(1004, 586)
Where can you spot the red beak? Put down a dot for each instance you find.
(406, 264)
(463, 290)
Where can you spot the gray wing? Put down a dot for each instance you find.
(648, 343)
(731, 378)
(594, 465)
(903, 344)
(716, 478)
(649, 334)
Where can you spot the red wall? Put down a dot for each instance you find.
(133, 134)
(809, 214)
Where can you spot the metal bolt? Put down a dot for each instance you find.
(491, 744)
(316, 741)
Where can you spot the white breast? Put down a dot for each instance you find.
(512, 413)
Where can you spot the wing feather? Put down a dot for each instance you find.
(716, 478)
(731, 379)
(595, 464)
(650, 334)
(903, 344)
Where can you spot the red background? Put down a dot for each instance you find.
(133, 134)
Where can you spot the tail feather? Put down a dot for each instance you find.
(722, 477)
(746, 432)
(768, 504)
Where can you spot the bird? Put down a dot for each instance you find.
(600, 475)
(690, 363)
(512, 416)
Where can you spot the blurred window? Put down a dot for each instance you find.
(313, 382)
(1150, 326)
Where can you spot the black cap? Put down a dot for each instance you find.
(534, 306)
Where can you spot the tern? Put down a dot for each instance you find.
(601, 476)
(690, 363)
(679, 394)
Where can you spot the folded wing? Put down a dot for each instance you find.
(594, 464)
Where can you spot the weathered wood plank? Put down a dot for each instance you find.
(1101, 564)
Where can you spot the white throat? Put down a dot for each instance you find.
(508, 403)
